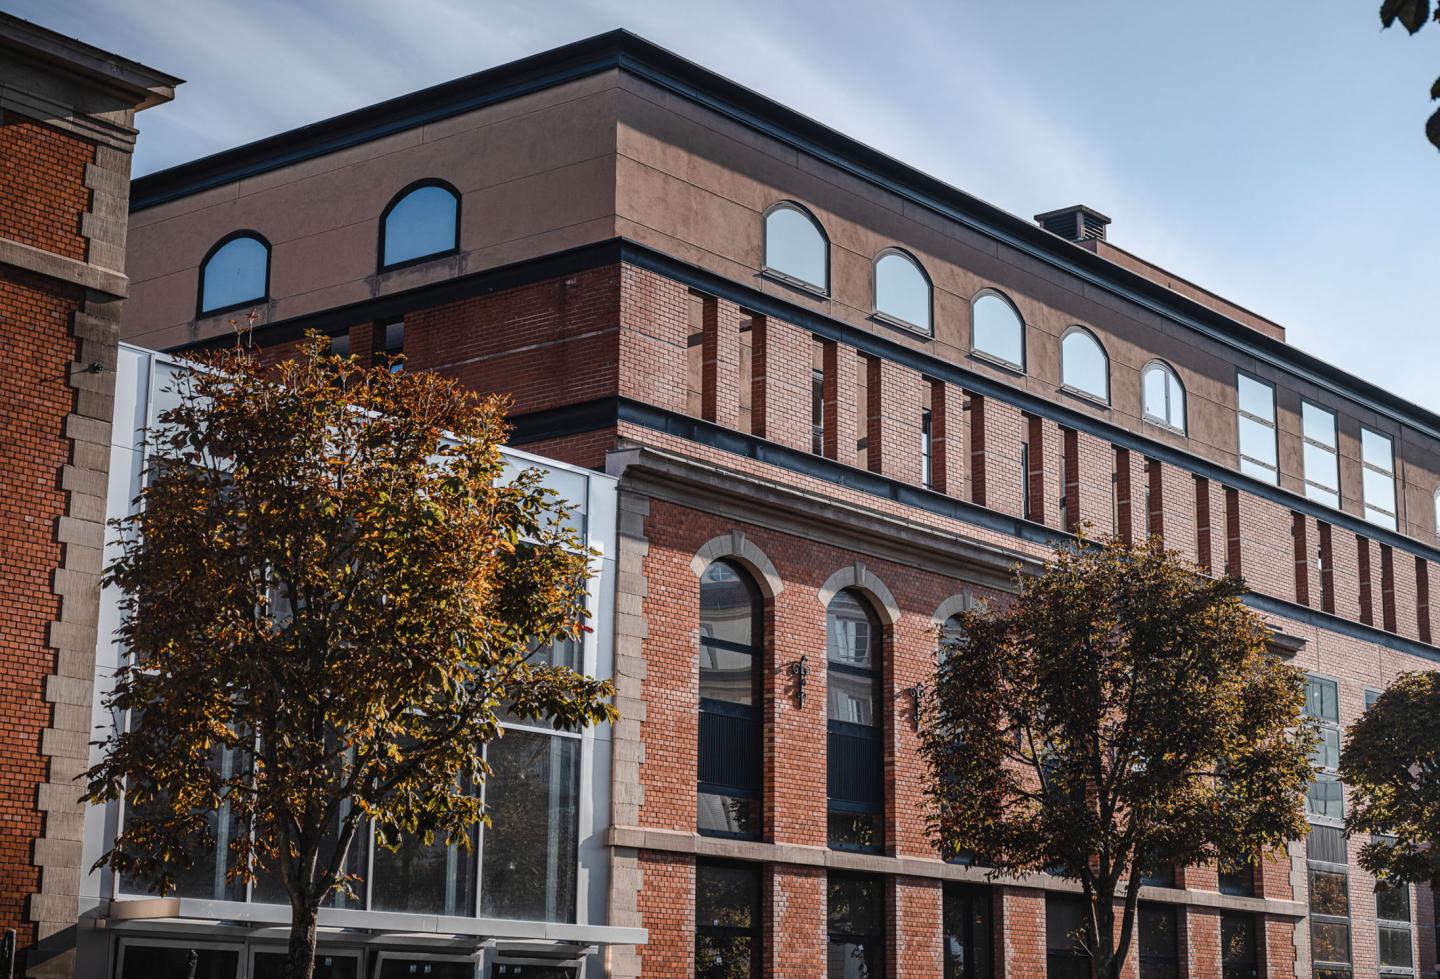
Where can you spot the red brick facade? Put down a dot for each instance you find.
(629, 327)
(35, 318)
(789, 438)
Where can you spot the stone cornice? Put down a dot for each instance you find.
(762, 502)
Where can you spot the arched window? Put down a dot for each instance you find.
(1437, 513)
(236, 272)
(902, 290)
(1164, 396)
(795, 247)
(729, 763)
(997, 330)
(1083, 364)
(423, 221)
(854, 704)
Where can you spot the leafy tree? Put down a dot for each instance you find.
(331, 586)
(1121, 715)
(1391, 762)
(1413, 15)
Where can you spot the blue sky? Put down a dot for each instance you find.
(1273, 153)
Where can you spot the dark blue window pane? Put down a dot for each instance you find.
(235, 274)
(422, 223)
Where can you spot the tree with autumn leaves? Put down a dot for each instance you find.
(1391, 764)
(332, 583)
(1120, 715)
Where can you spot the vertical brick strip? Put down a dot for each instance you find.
(1327, 568)
(1367, 594)
(977, 450)
(720, 368)
(1232, 532)
(1422, 598)
(1035, 470)
(1155, 499)
(841, 377)
(1387, 587)
(1302, 560)
(1204, 528)
(1124, 509)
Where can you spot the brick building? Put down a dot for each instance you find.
(66, 134)
(841, 399)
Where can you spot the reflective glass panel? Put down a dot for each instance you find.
(422, 223)
(235, 274)
(531, 846)
(901, 290)
(795, 247)
(998, 330)
(1083, 365)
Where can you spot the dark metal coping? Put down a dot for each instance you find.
(621, 49)
(622, 250)
(606, 412)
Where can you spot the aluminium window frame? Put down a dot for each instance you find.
(1272, 424)
(400, 196)
(890, 319)
(261, 300)
(785, 278)
(1333, 450)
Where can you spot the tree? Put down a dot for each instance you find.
(1391, 762)
(330, 586)
(1413, 15)
(1121, 715)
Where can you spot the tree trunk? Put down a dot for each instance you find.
(300, 960)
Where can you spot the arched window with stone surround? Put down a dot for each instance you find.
(855, 716)
(729, 772)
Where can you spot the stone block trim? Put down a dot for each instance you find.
(73, 636)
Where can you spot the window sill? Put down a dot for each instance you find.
(1085, 396)
(1163, 426)
(1000, 362)
(900, 324)
(421, 260)
(775, 275)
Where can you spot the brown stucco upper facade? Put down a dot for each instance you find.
(615, 139)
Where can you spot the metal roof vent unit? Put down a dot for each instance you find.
(1075, 223)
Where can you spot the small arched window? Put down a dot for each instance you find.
(1083, 364)
(855, 760)
(729, 763)
(423, 221)
(997, 331)
(1164, 396)
(796, 248)
(902, 290)
(235, 273)
(1437, 513)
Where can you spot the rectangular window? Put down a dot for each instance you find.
(1324, 799)
(1027, 504)
(1256, 416)
(1238, 880)
(968, 952)
(1321, 455)
(392, 343)
(530, 850)
(1159, 946)
(1065, 955)
(1392, 916)
(855, 916)
(1377, 461)
(1237, 947)
(1329, 902)
(727, 920)
(927, 475)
